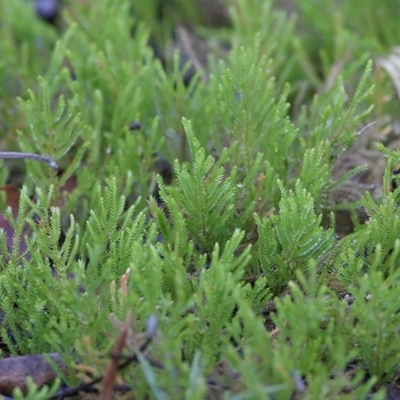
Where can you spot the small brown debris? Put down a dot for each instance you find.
(15, 370)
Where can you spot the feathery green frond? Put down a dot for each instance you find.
(290, 239)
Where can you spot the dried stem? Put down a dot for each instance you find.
(29, 156)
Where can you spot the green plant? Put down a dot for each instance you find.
(206, 203)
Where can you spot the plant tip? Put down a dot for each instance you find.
(152, 326)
